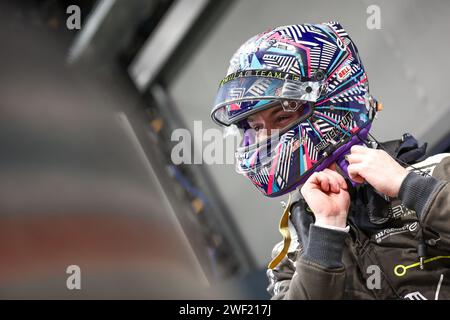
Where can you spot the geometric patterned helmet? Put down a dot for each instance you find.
(312, 69)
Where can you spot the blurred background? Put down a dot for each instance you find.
(87, 115)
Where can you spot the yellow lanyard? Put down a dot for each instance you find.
(284, 230)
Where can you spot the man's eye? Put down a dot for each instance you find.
(257, 128)
(283, 118)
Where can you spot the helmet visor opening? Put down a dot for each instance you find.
(261, 133)
(270, 123)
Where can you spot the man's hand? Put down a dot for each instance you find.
(326, 194)
(377, 168)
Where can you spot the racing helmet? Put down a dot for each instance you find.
(311, 75)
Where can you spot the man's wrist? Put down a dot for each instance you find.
(326, 226)
(401, 177)
(338, 221)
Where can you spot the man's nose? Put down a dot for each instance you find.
(262, 134)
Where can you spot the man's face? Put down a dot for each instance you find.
(275, 118)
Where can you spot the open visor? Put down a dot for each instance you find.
(243, 93)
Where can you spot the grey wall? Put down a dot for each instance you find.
(405, 60)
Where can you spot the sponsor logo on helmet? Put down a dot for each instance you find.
(344, 72)
(330, 136)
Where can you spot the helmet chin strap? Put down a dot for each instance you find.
(341, 160)
(337, 154)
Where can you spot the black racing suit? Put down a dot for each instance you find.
(379, 257)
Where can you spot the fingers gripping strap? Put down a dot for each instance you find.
(284, 230)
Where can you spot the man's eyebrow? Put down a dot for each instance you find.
(271, 113)
(250, 119)
(275, 110)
